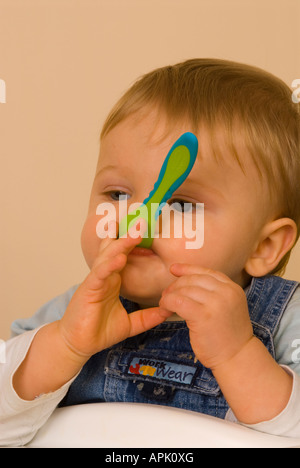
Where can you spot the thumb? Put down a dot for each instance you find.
(145, 319)
(108, 234)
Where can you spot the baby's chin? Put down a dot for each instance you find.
(139, 286)
(144, 301)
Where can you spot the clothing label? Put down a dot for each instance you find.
(160, 369)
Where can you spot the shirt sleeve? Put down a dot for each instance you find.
(287, 423)
(287, 346)
(20, 419)
(50, 312)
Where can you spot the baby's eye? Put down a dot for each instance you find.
(118, 195)
(181, 205)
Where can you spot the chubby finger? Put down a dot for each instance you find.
(181, 269)
(111, 234)
(145, 319)
(111, 247)
(181, 304)
(206, 282)
(111, 265)
(196, 293)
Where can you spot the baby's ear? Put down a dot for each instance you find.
(276, 240)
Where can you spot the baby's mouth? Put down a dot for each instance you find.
(142, 252)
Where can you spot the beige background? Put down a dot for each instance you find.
(65, 62)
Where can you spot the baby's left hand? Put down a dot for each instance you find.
(215, 310)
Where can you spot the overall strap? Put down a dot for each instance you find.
(268, 298)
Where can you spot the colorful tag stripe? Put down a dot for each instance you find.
(159, 369)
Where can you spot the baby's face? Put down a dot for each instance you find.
(130, 160)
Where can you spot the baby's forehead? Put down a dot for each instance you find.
(231, 148)
(140, 134)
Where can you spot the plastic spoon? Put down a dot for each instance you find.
(175, 169)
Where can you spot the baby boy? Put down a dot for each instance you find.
(207, 329)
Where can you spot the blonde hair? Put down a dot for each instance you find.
(242, 100)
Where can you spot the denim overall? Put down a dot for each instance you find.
(159, 366)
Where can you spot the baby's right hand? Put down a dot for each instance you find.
(95, 318)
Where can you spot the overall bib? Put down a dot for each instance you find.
(159, 366)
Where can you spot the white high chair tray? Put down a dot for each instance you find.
(124, 425)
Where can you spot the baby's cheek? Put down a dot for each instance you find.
(90, 242)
